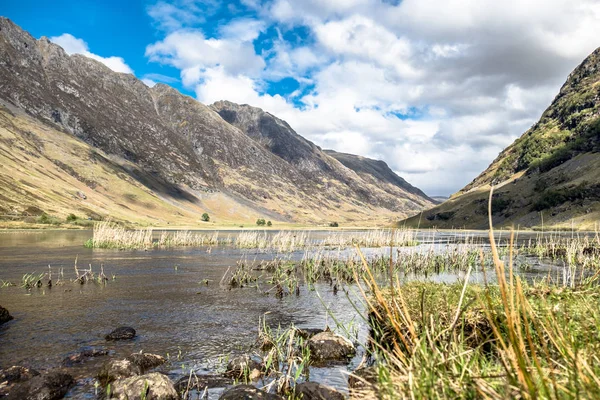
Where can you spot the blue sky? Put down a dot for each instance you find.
(436, 88)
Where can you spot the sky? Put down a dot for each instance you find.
(435, 88)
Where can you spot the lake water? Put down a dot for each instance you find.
(160, 293)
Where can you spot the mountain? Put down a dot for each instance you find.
(549, 176)
(77, 137)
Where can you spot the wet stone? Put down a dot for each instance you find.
(117, 369)
(248, 392)
(153, 386)
(121, 333)
(146, 361)
(201, 381)
(83, 356)
(237, 367)
(4, 315)
(13, 375)
(316, 391)
(328, 346)
(50, 386)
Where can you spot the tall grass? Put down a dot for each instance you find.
(502, 340)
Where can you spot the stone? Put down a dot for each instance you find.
(316, 391)
(117, 369)
(146, 361)
(50, 386)
(363, 378)
(328, 346)
(200, 382)
(121, 333)
(238, 366)
(83, 356)
(13, 375)
(153, 386)
(4, 315)
(248, 392)
(307, 333)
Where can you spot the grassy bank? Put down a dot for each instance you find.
(510, 339)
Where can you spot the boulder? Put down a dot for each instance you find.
(146, 361)
(83, 356)
(328, 346)
(50, 386)
(201, 382)
(247, 392)
(316, 391)
(153, 386)
(4, 315)
(121, 333)
(237, 367)
(117, 369)
(13, 375)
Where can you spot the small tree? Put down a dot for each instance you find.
(260, 222)
(71, 218)
(333, 224)
(269, 223)
(205, 217)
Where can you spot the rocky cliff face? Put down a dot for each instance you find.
(181, 149)
(550, 174)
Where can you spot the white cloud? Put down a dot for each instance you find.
(73, 45)
(466, 76)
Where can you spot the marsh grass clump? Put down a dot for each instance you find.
(374, 238)
(108, 235)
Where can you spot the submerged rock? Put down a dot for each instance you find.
(117, 369)
(153, 386)
(51, 386)
(146, 361)
(83, 356)
(121, 333)
(13, 375)
(201, 382)
(4, 315)
(328, 346)
(237, 367)
(316, 391)
(248, 392)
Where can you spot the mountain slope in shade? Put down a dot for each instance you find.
(174, 148)
(549, 176)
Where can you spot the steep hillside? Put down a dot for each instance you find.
(166, 144)
(550, 175)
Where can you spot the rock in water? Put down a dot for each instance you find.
(239, 366)
(316, 391)
(201, 381)
(328, 346)
(248, 392)
(84, 355)
(146, 361)
(50, 386)
(117, 369)
(4, 315)
(121, 333)
(13, 375)
(154, 386)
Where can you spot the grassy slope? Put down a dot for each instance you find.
(46, 169)
(550, 172)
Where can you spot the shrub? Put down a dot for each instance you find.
(72, 218)
(269, 223)
(260, 222)
(499, 205)
(205, 217)
(334, 224)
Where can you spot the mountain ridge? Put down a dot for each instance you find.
(178, 148)
(548, 176)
